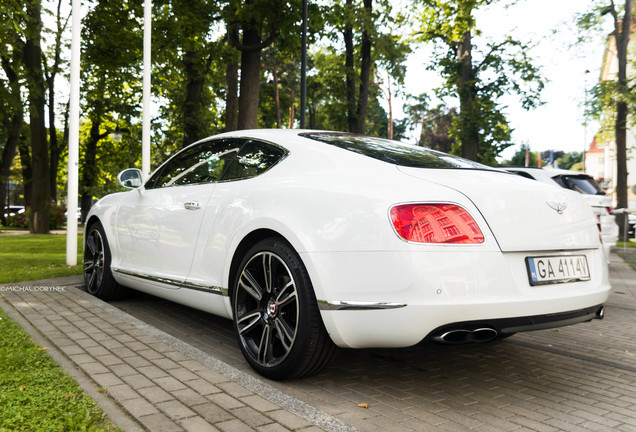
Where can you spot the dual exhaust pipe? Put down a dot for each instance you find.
(486, 334)
(462, 336)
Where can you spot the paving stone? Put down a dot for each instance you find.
(203, 387)
(212, 412)
(107, 379)
(159, 422)
(169, 383)
(155, 394)
(152, 372)
(234, 425)
(139, 381)
(287, 419)
(175, 409)
(259, 403)
(109, 360)
(140, 407)
(197, 424)
(251, 417)
(225, 401)
(189, 397)
(122, 392)
(123, 370)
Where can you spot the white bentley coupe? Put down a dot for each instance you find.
(310, 240)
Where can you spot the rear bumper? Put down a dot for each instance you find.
(507, 326)
(393, 299)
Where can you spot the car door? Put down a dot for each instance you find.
(157, 229)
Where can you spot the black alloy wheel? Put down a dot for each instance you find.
(97, 274)
(276, 318)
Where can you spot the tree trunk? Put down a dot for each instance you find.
(89, 168)
(276, 97)
(231, 96)
(291, 110)
(13, 129)
(365, 73)
(41, 192)
(390, 99)
(27, 171)
(469, 133)
(350, 71)
(195, 79)
(55, 148)
(622, 30)
(50, 81)
(250, 80)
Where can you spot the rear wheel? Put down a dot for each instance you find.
(97, 274)
(276, 317)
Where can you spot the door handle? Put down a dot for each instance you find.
(193, 205)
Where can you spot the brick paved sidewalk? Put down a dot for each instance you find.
(577, 378)
(157, 382)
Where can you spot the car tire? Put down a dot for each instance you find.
(98, 276)
(275, 313)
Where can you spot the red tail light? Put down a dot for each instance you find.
(435, 223)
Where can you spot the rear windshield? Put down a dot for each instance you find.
(394, 152)
(580, 183)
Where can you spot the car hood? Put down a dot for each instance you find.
(523, 215)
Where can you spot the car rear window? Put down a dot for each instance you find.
(580, 183)
(394, 152)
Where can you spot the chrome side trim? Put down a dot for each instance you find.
(207, 288)
(177, 283)
(357, 305)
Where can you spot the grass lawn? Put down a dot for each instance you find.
(36, 256)
(35, 393)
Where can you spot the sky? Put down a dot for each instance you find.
(558, 124)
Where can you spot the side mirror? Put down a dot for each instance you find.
(131, 178)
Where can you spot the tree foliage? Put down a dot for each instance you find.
(612, 100)
(477, 73)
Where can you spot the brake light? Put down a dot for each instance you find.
(435, 223)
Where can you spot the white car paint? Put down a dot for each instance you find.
(374, 289)
(599, 203)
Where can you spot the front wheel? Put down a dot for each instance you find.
(97, 274)
(276, 317)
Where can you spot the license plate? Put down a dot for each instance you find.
(557, 269)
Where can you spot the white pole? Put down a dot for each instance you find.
(145, 142)
(73, 140)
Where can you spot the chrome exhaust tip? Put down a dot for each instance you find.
(600, 313)
(462, 336)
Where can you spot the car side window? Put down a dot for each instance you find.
(255, 158)
(202, 163)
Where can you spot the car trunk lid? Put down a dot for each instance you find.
(523, 215)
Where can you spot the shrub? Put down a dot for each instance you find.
(57, 217)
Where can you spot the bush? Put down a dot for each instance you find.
(57, 217)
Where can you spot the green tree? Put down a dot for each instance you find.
(568, 160)
(12, 22)
(434, 123)
(51, 71)
(612, 99)
(342, 93)
(111, 73)
(40, 186)
(253, 25)
(519, 158)
(478, 78)
(186, 68)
